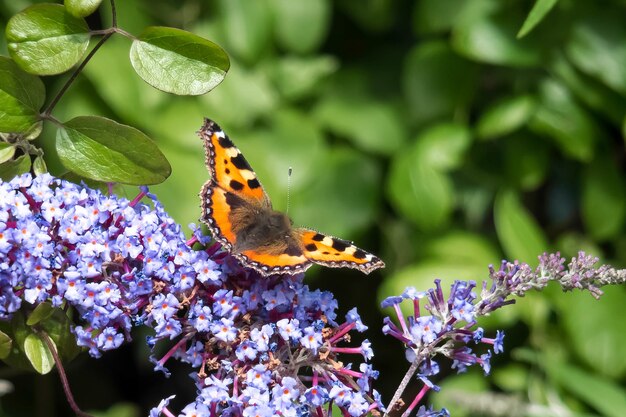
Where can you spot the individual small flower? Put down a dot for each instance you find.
(289, 329)
(156, 411)
(195, 410)
(315, 396)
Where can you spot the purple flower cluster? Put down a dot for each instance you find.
(267, 345)
(259, 346)
(106, 257)
(448, 329)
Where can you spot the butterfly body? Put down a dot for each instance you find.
(240, 216)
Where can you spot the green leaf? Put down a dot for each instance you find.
(21, 95)
(372, 15)
(44, 39)
(15, 167)
(519, 233)
(603, 198)
(590, 91)
(437, 82)
(39, 166)
(435, 16)
(421, 193)
(561, 118)
(301, 26)
(250, 91)
(526, 160)
(7, 151)
(470, 384)
(41, 312)
(443, 146)
(247, 25)
(350, 205)
(58, 327)
(604, 395)
(81, 8)
(506, 116)
(598, 46)
(300, 77)
(38, 354)
(372, 125)
(6, 343)
(536, 15)
(101, 149)
(463, 248)
(178, 62)
(119, 410)
(492, 40)
(18, 331)
(604, 352)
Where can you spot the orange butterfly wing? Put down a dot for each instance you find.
(336, 253)
(233, 201)
(271, 263)
(239, 214)
(232, 192)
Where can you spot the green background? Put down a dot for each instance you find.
(442, 135)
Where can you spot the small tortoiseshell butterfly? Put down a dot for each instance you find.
(240, 216)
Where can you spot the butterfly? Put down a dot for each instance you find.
(239, 214)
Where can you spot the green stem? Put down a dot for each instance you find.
(107, 34)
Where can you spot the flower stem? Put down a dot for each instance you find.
(405, 382)
(57, 361)
(107, 34)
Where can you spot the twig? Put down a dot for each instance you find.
(57, 360)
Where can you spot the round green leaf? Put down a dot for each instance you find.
(15, 167)
(598, 46)
(45, 39)
(421, 193)
(437, 82)
(5, 345)
(506, 116)
(39, 166)
(21, 95)
(103, 150)
(603, 198)
(443, 146)
(7, 151)
(178, 62)
(492, 39)
(301, 26)
(38, 354)
(82, 8)
(519, 234)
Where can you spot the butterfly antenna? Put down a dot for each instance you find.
(288, 188)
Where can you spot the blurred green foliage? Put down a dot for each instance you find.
(443, 135)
